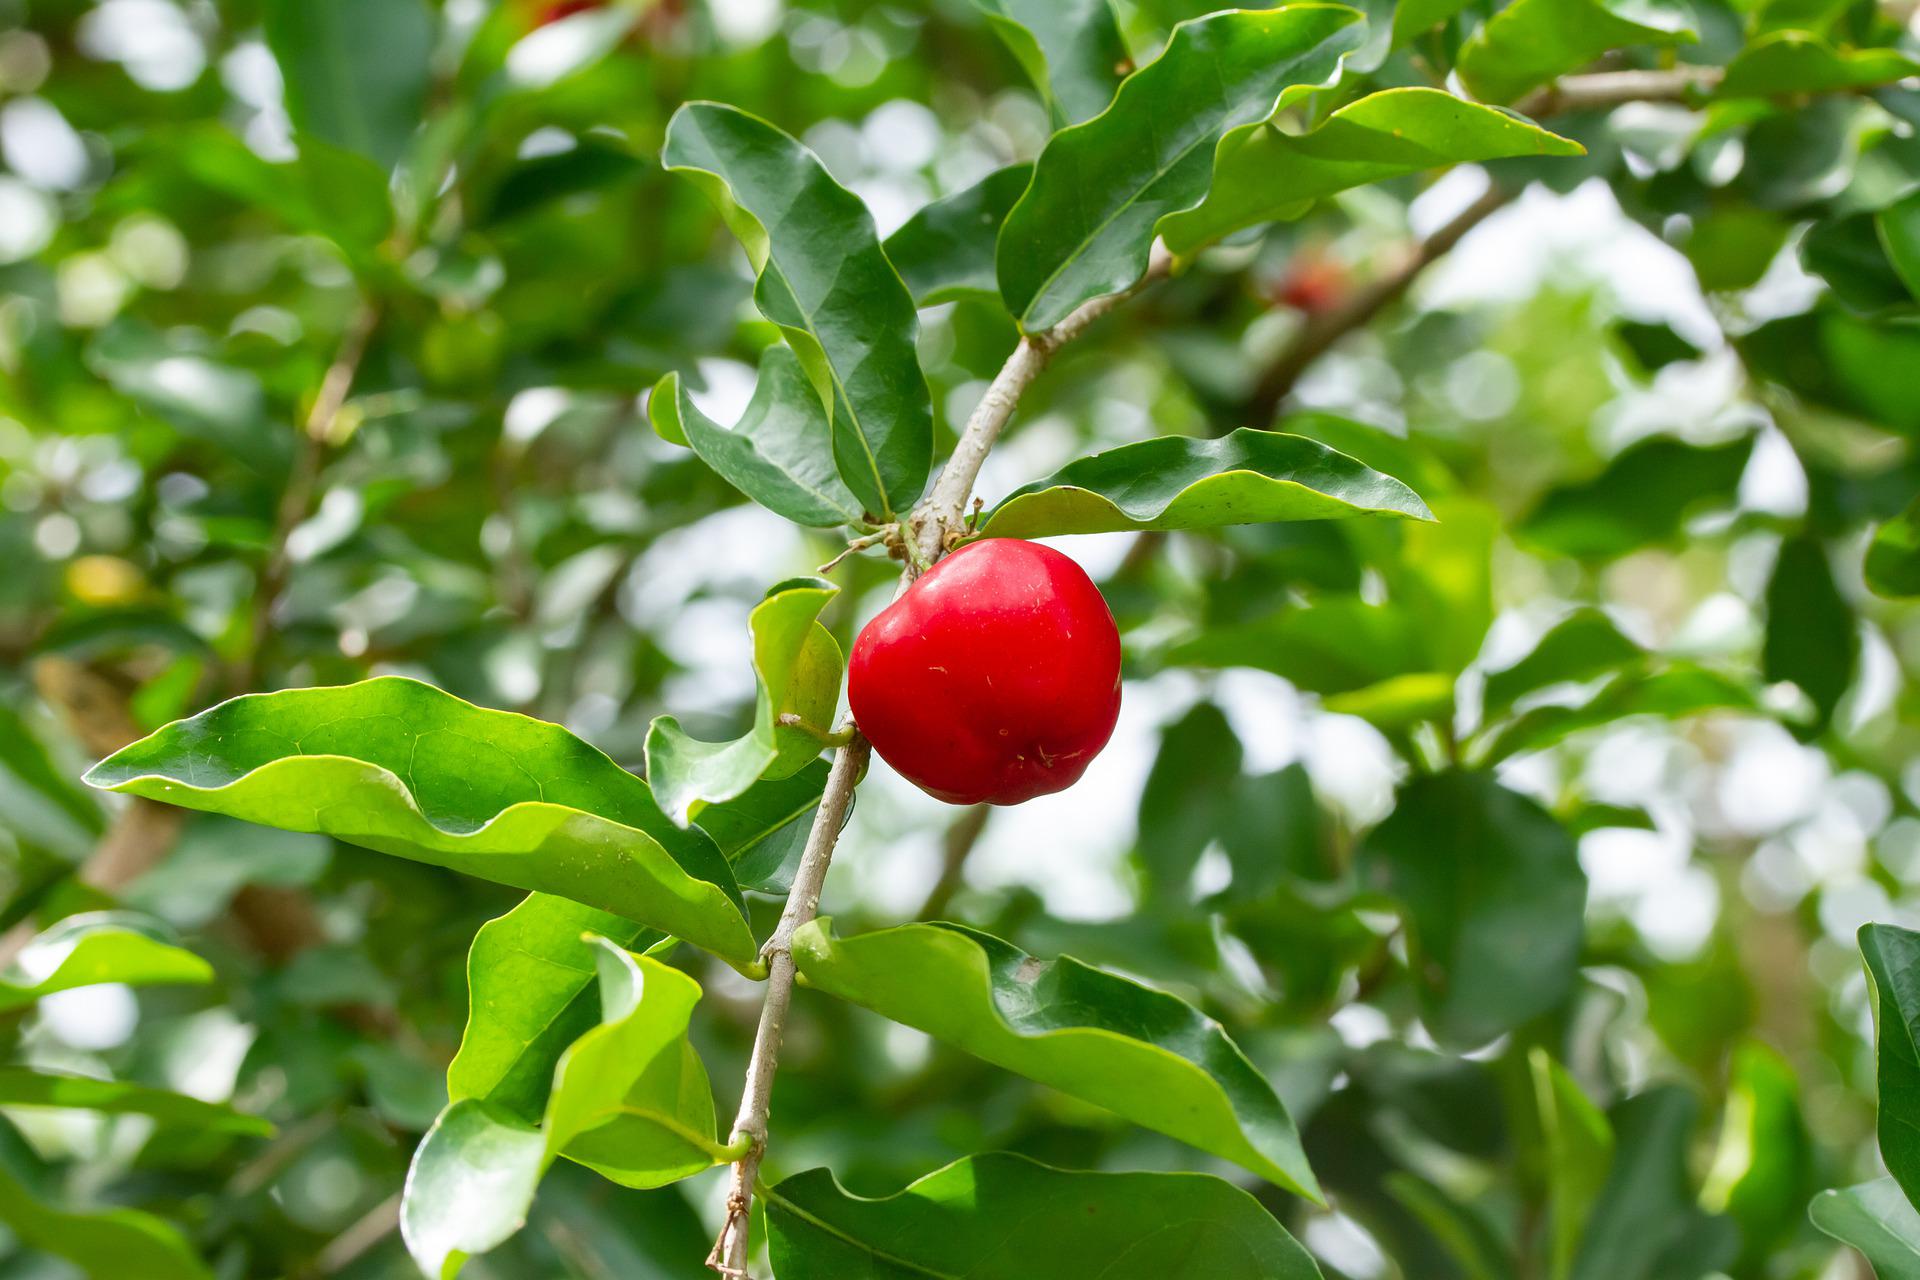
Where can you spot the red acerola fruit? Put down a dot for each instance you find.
(995, 678)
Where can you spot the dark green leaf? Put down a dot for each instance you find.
(1644, 496)
(106, 1244)
(1764, 1170)
(1893, 558)
(1812, 638)
(1647, 1221)
(1336, 645)
(1654, 346)
(1100, 189)
(1188, 792)
(401, 767)
(25, 1087)
(1849, 362)
(1877, 1219)
(356, 70)
(1671, 693)
(826, 282)
(1846, 251)
(1579, 1151)
(1899, 228)
(763, 830)
(1071, 48)
(1140, 1053)
(1893, 973)
(1531, 42)
(1003, 1217)
(945, 251)
(1584, 644)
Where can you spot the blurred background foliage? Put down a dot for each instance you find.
(1663, 398)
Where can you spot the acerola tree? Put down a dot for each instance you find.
(418, 419)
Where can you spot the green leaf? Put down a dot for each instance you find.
(1579, 1150)
(1846, 251)
(1812, 638)
(401, 767)
(1464, 1232)
(1336, 645)
(1644, 496)
(1647, 1224)
(1852, 363)
(763, 830)
(1531, 42)
(1003, 1217)
(1893, 557)
(1142, 1054)
(945, 251)
(1188, 795)
(1264, 175)
(630, 1101)
(780, 453)
(797, 664)
(1877, 1219)
(1671, 693)
(25, 1087)
(1764, 1168)
(1892, 955)
(1416, 17)
(1494, 898)
(106, 1244)
(1790, 62)
(339, 194)
(531, 992)
(356, 71)
(87, 950)
(1180, 482)
(1100, 189)
(1071, 48)
(826, 282)
(1584, 644)
(1899, 228)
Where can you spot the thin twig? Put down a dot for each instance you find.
(943, 512)
(961, 837)
(362, 1235)
(1616, 88)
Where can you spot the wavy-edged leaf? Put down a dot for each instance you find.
(826, 282)
(1893, 557)
(1494, 897)
(780, 453)
(763, 830)
(532, 990)
(356, 71)
(1530, 42)
(1673, 692)
(1181, 482)
(630, 1100)
(1071, 49)
(1142, 1054)
(945, 251)
(87, 950)
(797, 664)
(1644, 495)
(404, 768)
(1584, 644)
(26, 1087)
(1264, 174)
(1004, 1217)
(1892, 956)
(1085, 225)
(106, 1244)
(1877, 1219)
(1789, 62)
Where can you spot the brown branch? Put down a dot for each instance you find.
(960, 839)
(941, 514)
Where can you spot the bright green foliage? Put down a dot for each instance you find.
(1796, 62)
(1578, 1145)
(1893, 561)
(1244, 477)
(1530, 42)
(630, 1100)
(400, 767)
(1763, 1171)
(1100, 189)
(761, 831)
(797, 662)
(1002, 1217)
(1877, 1219)
(23, 1087)
(103, 1243)
(86, 950)
(1071, 48)
(826, 282)
(1265, 174)
(1646, 1222)
(1645, 495)
(356, 70)
(1138, 1052)
(1582, 645)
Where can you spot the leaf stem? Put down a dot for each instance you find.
(830, 738)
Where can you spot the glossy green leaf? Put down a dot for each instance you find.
(1494, 898)
(1812, 638)
(532, 990)
(87, 950)
(945, 251)
(1584, 644)
(1788, 62)
(1892, 956)
(1647, 1224)
(1264, 174)
(780, 453)
(1893, 557)
(26, 1087)
(763, 830)
(797, 664)
(1899, 228)
(356, 71)
(1180, 482)
(401, 767)
(1100, 189)
(1644, 495)
(630, 1100)
(1877, 1219)
(826, 282)
(1673, 692)
(106, 1244)
(1003, 1217)
(1071, 48)
(1579, 1150)
(1531, 42)
(1142, 1054)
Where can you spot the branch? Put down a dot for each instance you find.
(1615, 88)
(940, 514)
(959, 842)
